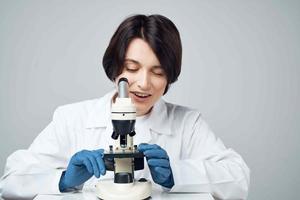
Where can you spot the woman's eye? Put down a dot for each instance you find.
(158, 72)
(131, 69)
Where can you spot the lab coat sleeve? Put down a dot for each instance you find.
(206, 165)
(37, 170)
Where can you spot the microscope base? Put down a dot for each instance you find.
(107, 189)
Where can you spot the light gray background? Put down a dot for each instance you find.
(240, 68)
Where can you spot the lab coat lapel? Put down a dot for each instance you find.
(154, 124)
(142, 132)
(159, 121)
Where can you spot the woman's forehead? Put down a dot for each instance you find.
(139, 51)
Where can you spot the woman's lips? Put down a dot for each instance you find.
(140, 98)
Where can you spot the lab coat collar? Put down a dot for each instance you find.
(156, 121)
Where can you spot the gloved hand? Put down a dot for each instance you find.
(159, 165)
(82, 166)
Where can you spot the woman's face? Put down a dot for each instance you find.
(147, 80)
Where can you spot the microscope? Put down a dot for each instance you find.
(123, 158)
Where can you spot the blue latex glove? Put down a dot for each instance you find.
(82, 166)
(159, 165)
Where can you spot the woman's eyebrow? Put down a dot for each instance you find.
(138, 63)
(157, 67)
(132, 60)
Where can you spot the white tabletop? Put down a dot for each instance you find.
(156, 195)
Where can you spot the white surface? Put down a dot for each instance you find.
(107, 189)
(156, 195)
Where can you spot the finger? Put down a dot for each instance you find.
(156, 153)
(86, 162)
(162, 173)
(78, 157)
(99, 159)
(158, 162)
(94, 165)
(100, 151)
(144, 146)
(102, 166)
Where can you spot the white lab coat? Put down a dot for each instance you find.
(199, 160)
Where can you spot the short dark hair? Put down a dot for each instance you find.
(158, 31)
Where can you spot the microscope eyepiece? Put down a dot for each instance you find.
(123, 79)
(123, 88)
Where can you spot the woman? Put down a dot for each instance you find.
(182, 153)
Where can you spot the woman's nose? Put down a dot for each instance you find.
(144, 81)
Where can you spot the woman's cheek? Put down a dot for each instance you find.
(130, 79)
